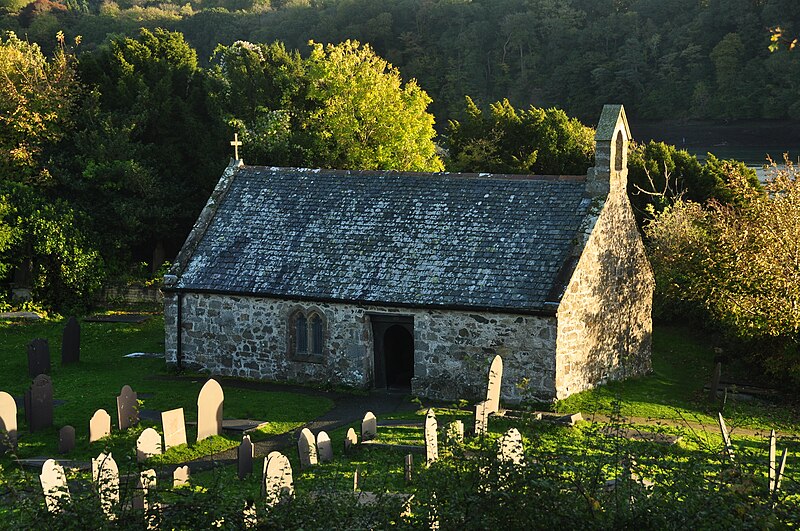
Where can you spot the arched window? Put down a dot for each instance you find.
(619, 151)
(316, 334)
(306, 335)
(301, 334)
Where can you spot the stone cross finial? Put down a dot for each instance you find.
(236, 143)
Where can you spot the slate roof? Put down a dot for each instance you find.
(450, 240)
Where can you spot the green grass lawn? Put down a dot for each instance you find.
(95, 382)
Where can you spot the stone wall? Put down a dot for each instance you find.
(248, 337)
(604, 319)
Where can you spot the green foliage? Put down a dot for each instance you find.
(533, 141)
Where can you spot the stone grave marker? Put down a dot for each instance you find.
(772, 468)
(71, 342)
(8, 422)
(481, 419)
(493, 389)
(324, 447)
(726, 437)
(145, 482)
(431, 439)
(511, 449)
(409, 468)
(54, 485)
(39, 403)
(174, 428)
(38, 357)
(66, 439)
(180, 476)
(147, 445)
(350, 440)
(264, 472)
(455, 432)
(278, 481)
(307, 449)
(245, 454)
(99, 425)
(369, 427)
(209, 410)
(357, 479)
(127, 408)
(105, 475)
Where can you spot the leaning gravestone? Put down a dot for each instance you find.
(431, 440)
(54, 485)
(99, 425)
(147, 445)
(71, 342)
(8, 422)
(209, 410)
(369, 427)
(278, 483)
(511, 449)
(39, 403)
(174, 428)
(180, 476)
(105, 475)
(493, 389)
(324, 447)
(38, 357)
(307, 449)
(350, 440)
(245, 457)
(66, 439)
(127, 408)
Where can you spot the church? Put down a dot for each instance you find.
(415, 281)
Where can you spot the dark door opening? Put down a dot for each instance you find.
(393, 337)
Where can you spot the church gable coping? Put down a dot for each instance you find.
(450, 240)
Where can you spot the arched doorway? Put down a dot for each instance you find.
(398, 349)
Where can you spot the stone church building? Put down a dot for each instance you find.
(408, 280)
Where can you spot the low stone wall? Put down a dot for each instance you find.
(126, 294)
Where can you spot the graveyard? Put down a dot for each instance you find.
(173, 451)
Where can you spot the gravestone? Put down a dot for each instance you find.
(455, 432)
(105, 475)
(278, 481)
(409, 468)
(431, 440)
(481, 419)
(71, 342)
(324, 447)
(8, 422)
(145, 482)
(54, 485)
(307, 449)
(511, 449)
(39, 403)
(726, 439)
(66, 439)
(147, 445)
(180, 476)
(369, 427)
(357, 479)
(264, 472)
(38, 357)
(209, 410)
(350, 440)
(99, 425)
(245, 457)
(174, 428)
(772, 468)
(127, 408)
(493, 389)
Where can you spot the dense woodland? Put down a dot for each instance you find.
(663, 59)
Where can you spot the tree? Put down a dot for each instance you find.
(507, 140)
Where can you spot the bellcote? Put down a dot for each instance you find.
(610, 171)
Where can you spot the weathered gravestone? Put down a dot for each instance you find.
(174, 428)
(324, 447)
(54, 485)
(357, 479)
(39, 403)
(38, 357)
(307, 449)
(481, 419)
(105, 475)
(145, 482)
(71, 342)
(8, 422)
(511, 449)
(431, 440)
(264, 472)
(99, 425)
(493, 389)
(127, 408)
(278, 483)
(180, 476)
(147, 445)
(245, 457)
(409, 468)
(350, 440)
(66, 439)
(209, 410)
(455, 432)
(369, 427)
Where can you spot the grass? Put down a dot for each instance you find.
(96, 381)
